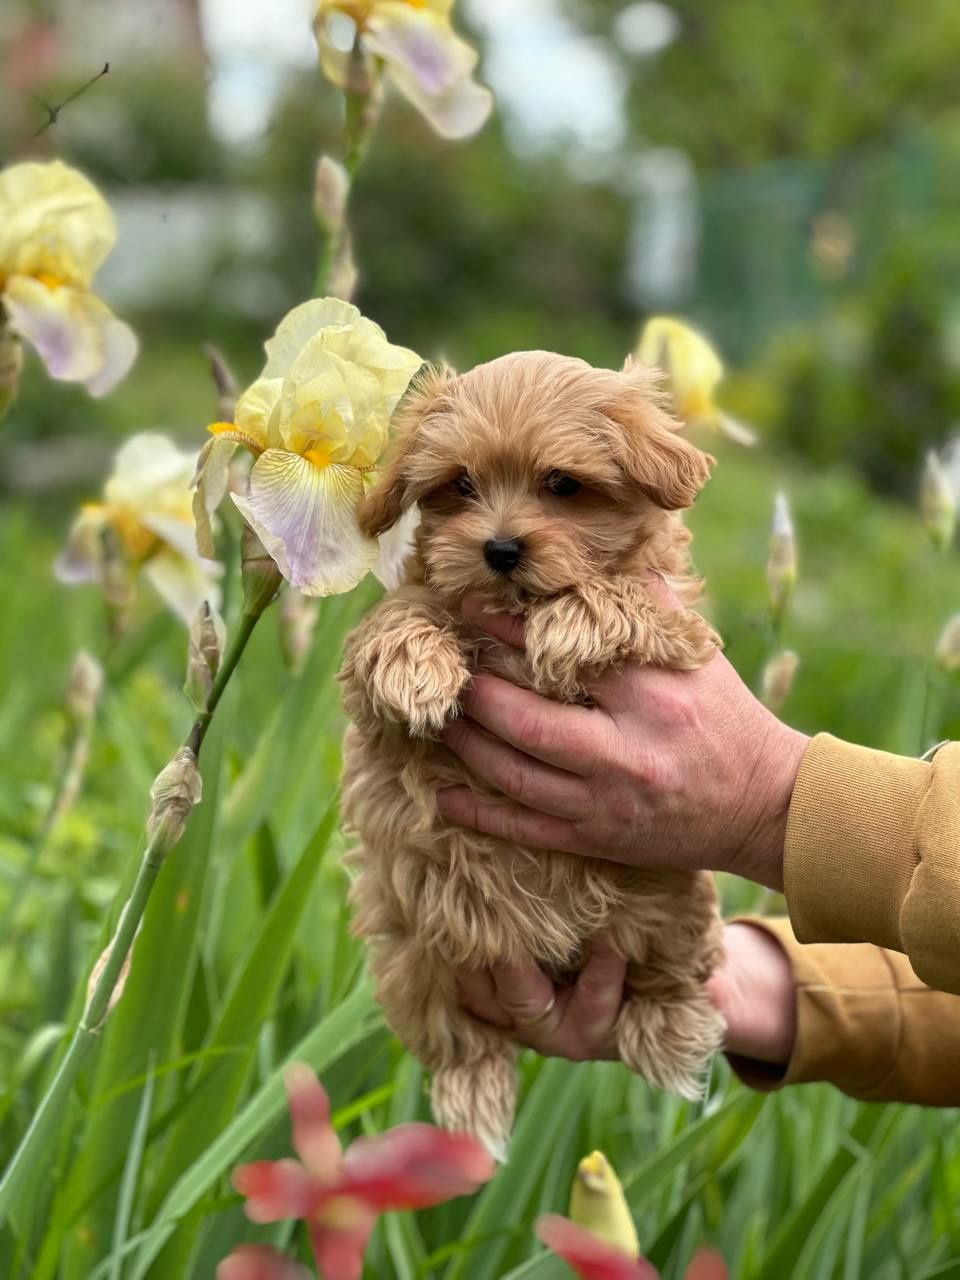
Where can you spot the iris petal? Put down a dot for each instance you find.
(306, 518)
(431, 66)
(182, 583)
(53, 220)
(76, 335)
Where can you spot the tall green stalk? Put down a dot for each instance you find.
(165, 828)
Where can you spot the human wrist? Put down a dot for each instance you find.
(759, 856)
(754, 991)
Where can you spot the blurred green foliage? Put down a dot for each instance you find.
(821, 138)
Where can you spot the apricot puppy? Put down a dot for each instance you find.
(549, 488)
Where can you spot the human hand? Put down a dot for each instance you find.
(678, 770)
(753, 989)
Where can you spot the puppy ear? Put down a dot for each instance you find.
(394, 494)
(668, 469)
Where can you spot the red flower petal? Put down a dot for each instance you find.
(591, 1259)
(314, 1138)
(339, 1251)
(413, 1167)
(275, 1189)
(707, 1264)
(260, 1262)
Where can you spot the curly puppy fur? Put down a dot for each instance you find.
(481, 454)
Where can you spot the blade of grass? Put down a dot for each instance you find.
(346, 1026)
(131, 1174)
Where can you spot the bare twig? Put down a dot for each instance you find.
(53, 113)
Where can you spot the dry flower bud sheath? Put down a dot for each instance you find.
(298, 620)
(938, 505)
(337, 271)
(208, 636)
(175, 791)
(778, 676)
(96, 974)
(224, 380)
(782, 560)
(84, 688)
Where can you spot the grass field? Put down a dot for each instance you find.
(245, 960)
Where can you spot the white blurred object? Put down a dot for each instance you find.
(552, 83)
(646, 28)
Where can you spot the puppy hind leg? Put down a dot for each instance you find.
(479, 1096)
(669, 1040)
(474, 1086)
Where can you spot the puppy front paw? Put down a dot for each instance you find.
(411, 677)
(567, 639)
(579, 634)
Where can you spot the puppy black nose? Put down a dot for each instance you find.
(503, 554)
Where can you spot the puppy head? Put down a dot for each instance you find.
(536, 472)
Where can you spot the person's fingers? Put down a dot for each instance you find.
(565, 736)
(502, 626)
(598, 993)
(506, 821)
(660, 591)
(535, 785)
(528, 996)
(478, 995)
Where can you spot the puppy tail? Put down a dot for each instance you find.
(478, 1097)
(669, 1042)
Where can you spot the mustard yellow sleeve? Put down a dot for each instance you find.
(866, 1024)
(872, 854)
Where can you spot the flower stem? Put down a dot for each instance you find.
(232, 656)
(42, 1127)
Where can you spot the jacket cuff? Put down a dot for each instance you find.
(848, 1017)
(850, 850)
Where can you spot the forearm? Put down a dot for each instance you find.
(872, 854)
(861, 1020)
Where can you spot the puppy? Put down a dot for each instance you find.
(549, 488)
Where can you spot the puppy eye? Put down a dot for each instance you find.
(464, 486)
(562, 485)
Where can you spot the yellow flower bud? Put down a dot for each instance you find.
(208, 637)
(175, 791)
(938, 505)
(259, 572)
(778, 678)
(782, 560)
(11, 365)
(598, 1203)
(948, 646)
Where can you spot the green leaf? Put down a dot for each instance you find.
(343, 1028)
(131, 1174)
(216, 1085)
(146, 1020)
(504, 1207)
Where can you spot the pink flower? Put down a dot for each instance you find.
(260, 1262)
(340, 1194)
(593, 1259)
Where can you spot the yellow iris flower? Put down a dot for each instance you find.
(55, 231)
(316, 421)
(421, 53)
(694, 371)
(147, 516)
